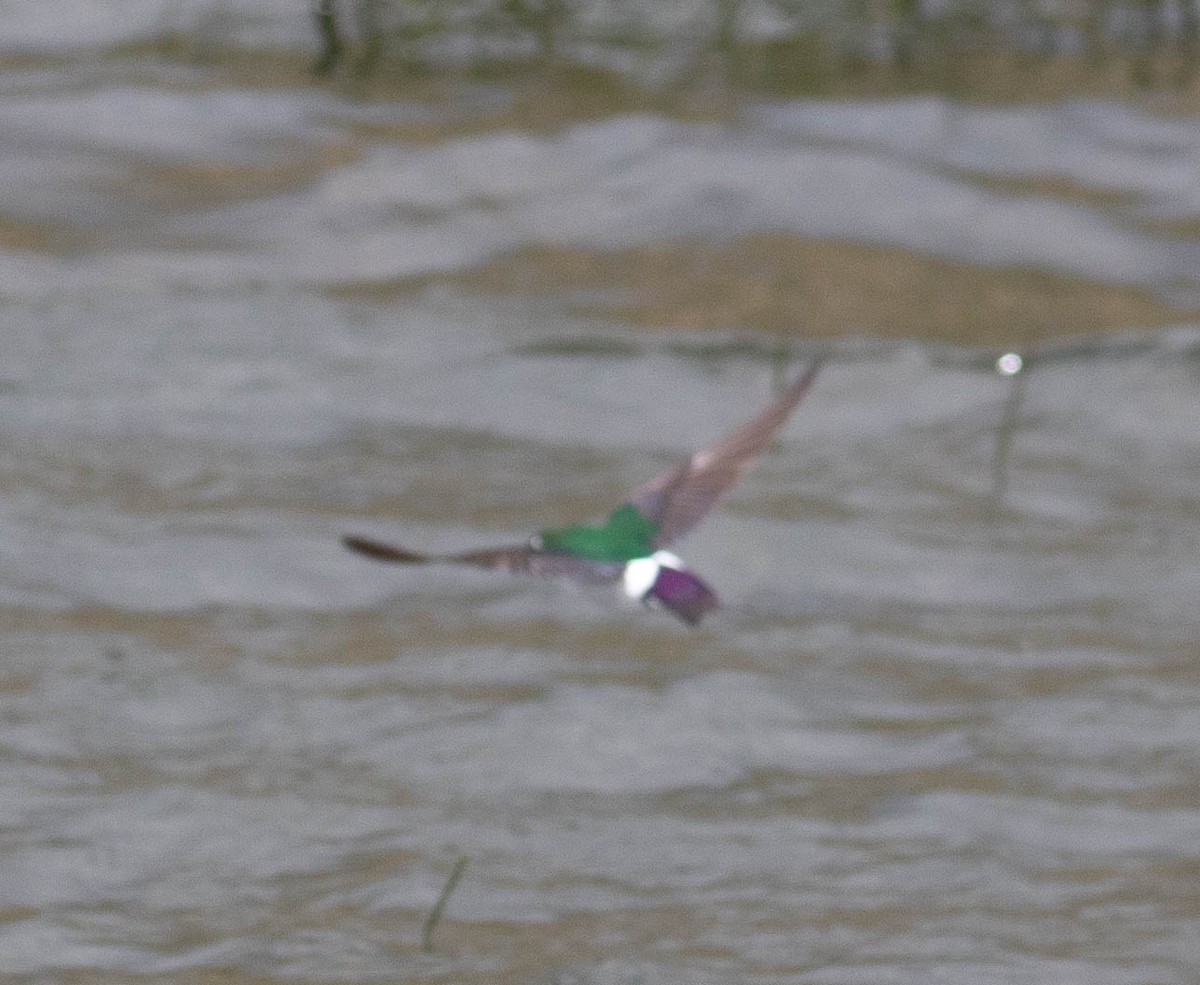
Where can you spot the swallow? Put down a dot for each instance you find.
(630, 546)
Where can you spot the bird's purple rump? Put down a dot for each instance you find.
(683, 593)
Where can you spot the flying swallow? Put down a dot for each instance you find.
(630, 546)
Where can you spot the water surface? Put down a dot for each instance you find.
(943, 729)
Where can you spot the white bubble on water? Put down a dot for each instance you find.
(1009, 364)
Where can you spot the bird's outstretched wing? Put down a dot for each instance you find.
(679, 498)
(521, 559)
(674, 501)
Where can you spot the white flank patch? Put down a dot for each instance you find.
(641, 573)
(639, 576)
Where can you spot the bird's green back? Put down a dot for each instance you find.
(625, 535)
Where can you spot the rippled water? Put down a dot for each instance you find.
(943, 730)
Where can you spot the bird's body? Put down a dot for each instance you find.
(625, 535)
(629, 546)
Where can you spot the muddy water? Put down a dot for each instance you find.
(943, 730)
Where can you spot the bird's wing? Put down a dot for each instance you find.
(385, 552)
(678, 499)
(520, 559)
